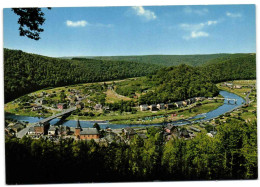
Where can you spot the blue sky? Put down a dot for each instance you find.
(108, 31)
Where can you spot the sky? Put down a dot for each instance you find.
(138, 30)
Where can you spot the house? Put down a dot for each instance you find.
(237, 86)
(169, 106)
(17, 127)
(129, 132)
(31, 131)
(40, 128)
(80, 105)
(43, 94)
(185, 103)
(200, 98)
(36, 107)
(153, 107)
(178, 104)
(98, 107)
(9, 131)
(86, 133)
(52, 131)
(160, 106)
(43, 101)
(61, 106)
(106, 108)
(229, 84)
(89, 133)
(192, 100)
(144, 107)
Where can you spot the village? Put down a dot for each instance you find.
(76, 99)
(108, 135)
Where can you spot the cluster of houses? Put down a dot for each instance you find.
(13, 128)
(171, 131)
(54, 131)
(100, 107)
(177, 104)
(231, 85)
(74, 100)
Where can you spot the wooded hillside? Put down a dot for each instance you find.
(24, 72)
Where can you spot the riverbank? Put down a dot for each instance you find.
(246, 87)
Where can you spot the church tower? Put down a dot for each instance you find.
(77, 129)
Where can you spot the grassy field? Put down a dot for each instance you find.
(113, 97)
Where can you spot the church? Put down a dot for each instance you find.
(86, 133)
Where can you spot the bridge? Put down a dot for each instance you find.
(228, 99)
(64, 113)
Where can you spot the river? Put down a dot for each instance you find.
(226, 107)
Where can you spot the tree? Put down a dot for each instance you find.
(96, 125)
(30, 20)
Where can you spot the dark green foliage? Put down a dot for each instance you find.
(96, 125)
(30, 21)
(122, 106)
(231, 154)
(242, 67)
(24, 72)
(173, 60)
(178, 83)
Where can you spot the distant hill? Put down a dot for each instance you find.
(183, 81)
(24, 72)
(168, 60)
(233, 68)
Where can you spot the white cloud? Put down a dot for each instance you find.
(190, 27)
(84, 23)
(196, 30)
(233, 15)
(147, 14)
(198, 26)
(197, 34)
(189, 10)
(81, 23)
(212, 22)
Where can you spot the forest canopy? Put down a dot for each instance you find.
(25, 73)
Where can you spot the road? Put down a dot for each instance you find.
(247, 97)
(24, 131)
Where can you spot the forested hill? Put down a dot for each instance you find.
(181, 82)
(172, 60)
(242, 67)
(177, 83)
(24, 72)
